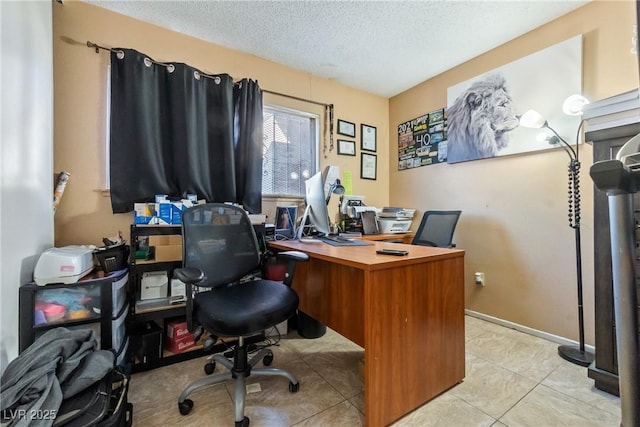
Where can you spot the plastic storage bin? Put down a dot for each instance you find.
(112, 258)
(119, 295)
(118, 330)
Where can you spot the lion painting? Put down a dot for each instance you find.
(480, 119)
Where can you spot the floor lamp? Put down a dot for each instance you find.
(533, 119)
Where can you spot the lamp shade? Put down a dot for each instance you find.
(339, 188)
(574, 104)
(532, 119)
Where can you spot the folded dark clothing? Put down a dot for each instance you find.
(57, 365)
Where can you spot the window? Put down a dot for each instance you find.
(289, 151)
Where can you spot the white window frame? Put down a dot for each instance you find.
(316, 161)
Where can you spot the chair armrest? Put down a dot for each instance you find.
(293, 256)
(189, 275)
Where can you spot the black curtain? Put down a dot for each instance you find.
(249, 142)
(176, 130)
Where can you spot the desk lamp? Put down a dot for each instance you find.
(336, 188)
(532, 119)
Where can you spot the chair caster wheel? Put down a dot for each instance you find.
(185, 407)
(267, 359)
(243, 423)
(293, 388)
(210, 367)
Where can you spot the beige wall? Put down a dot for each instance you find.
(84, 215)
(514, 224)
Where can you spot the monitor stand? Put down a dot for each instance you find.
(300, 233)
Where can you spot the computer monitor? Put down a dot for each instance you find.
(316, 211)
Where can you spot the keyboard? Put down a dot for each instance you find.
(337, 239)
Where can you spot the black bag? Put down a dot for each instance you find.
(104, 404)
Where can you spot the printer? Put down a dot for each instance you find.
(67, 264)
(395, 220)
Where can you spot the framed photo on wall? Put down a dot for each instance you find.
(368, 165)
(346, 128)
(346, 148)
(367, 137)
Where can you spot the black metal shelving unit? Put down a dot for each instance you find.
(159, 314)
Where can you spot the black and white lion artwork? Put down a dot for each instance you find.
(480, 119)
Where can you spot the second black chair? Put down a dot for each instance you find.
(436, 229)
(219, 250)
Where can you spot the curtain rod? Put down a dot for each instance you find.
(328, 107)
(97, 47)
(297, 99)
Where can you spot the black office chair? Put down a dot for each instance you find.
(436, 229)
(220, 250)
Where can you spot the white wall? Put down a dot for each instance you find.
(26, 153)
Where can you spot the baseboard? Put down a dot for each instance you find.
(527, 330)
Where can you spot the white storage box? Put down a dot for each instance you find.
(390, 226)
(154, 285)
(178, 288)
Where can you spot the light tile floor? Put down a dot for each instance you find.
(512, 379)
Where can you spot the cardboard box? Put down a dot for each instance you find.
(178, 338)
(154, 285)
(165, 240)
(168, 253)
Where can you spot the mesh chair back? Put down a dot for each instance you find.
(436, 229)
(219, 240)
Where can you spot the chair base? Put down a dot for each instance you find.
(240, 369)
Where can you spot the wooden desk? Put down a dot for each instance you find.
(407, 312)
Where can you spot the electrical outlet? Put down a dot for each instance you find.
(480, 279)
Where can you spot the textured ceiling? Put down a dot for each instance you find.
(382, 47)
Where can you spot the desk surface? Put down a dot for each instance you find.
(406, 312)
(365, 257)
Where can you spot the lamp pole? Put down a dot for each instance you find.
(578, 355)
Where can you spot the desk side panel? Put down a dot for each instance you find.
(332, 294)
(414, 330)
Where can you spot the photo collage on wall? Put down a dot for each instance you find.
(423, 140)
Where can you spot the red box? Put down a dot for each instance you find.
(178, 338)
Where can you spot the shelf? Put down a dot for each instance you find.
(145, 266)
(197, 351)
(160, 311)
(154, 230)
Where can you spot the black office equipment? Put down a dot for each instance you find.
(436, 229)
(393, 252)
(620, 179)
(219, 249)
